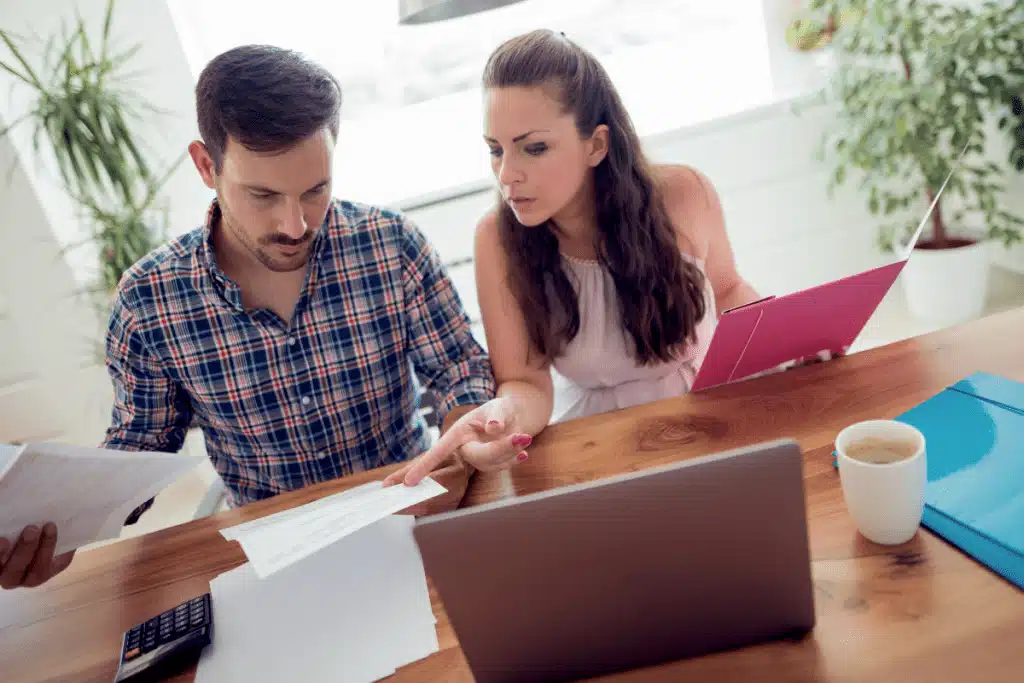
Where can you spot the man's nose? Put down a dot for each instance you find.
(293, 223)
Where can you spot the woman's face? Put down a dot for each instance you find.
(537, 155)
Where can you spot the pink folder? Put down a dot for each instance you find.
(762, 335)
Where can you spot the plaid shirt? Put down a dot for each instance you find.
(283, 406)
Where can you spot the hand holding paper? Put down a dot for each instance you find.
(86, 492)
(29, 561)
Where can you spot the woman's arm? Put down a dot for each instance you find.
(695, 209)
(495, 435)
(523, 378)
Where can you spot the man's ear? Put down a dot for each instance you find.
(598, 144)
(204, 163)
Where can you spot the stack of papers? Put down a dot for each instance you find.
(274, 542)
(87, 492)
(334, 591)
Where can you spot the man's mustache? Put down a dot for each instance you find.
(286, 241)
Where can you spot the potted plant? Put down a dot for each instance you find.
(84, 111)
(918, 82)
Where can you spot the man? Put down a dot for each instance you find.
(290, 325)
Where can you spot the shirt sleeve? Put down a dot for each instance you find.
(444, 353)
(151, 412)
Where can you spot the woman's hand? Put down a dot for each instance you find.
(485, 438)
(820, 357)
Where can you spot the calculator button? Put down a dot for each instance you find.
(149, 643)
(132, 654)
(198, 602)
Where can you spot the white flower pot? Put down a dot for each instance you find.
(947, 286)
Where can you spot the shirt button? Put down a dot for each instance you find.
(322, 455)
(292, 341)
(306, 400)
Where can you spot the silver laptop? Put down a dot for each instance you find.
(700, 556)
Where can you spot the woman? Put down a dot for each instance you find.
(594, 262)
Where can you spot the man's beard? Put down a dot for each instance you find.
(263, 249)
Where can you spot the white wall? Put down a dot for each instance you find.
(45, 389)
(50, 386)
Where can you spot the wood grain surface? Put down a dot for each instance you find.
(918, 612)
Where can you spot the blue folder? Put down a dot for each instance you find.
(974, 431)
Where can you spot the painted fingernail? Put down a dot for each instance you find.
(492, 422)
(522, 457)
(522, 440)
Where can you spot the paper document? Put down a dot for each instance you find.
(356, 612)
(86, 492)
(277, 541)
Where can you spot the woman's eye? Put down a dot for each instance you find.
(495, 152)
(537, 149)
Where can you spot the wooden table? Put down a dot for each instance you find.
(919, 612)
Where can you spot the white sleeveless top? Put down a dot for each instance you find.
(596, 372)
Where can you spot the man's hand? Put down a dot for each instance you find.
(485, 438)
(30, 562)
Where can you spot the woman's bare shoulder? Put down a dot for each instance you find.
(692, 204)
(683, 184)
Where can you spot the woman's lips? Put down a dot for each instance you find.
(521, 202)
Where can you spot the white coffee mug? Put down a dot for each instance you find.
(886, 501)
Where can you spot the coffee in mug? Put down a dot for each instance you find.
(880, 450)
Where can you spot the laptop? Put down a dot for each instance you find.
(699, 556)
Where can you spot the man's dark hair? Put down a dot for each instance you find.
(266, 98)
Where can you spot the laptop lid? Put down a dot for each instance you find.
(638, 569)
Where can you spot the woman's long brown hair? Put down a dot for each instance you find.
(660, 294)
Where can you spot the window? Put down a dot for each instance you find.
(412, 106)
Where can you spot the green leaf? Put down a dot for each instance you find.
(28, 76)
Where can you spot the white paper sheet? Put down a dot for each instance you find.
(86, 492)
(353, 494)
(355, 611)
(276, 544)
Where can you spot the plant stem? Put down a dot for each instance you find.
(939, 239)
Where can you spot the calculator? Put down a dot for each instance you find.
(167, 644)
